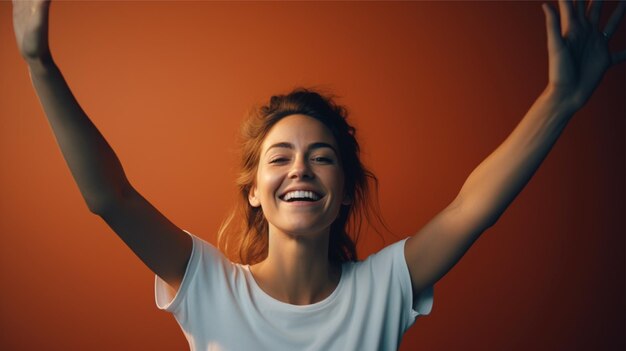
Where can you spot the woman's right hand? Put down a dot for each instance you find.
(30, 24)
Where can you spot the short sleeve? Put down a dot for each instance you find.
(422, 305)
(166, 297)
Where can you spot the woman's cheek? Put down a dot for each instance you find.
(270, 181)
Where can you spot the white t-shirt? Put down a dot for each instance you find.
(219, 306)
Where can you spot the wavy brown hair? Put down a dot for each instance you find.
(243, 236)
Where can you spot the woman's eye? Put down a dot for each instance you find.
(278, 160)
(322, 159)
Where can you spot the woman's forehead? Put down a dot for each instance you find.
(299, 131)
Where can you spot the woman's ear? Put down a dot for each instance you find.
(252, 198)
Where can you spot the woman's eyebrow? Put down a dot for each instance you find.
(316, 145)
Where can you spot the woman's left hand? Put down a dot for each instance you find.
(578, 52)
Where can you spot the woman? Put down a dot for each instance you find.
(576, 67)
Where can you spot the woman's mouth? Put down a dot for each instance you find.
(301, 196)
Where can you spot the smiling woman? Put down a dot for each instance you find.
(297, 202)
(272, 145)
(285, 274)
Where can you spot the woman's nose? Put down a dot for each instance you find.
(300, 169)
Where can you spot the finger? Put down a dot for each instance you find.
(594, 12)
(613, 22)
(555, 41)
(567, 16)
(618, 57)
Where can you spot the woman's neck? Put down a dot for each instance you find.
(297, 269)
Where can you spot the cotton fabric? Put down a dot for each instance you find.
(219, 306)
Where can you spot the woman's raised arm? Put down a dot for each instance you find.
(160, 244)
(578, 57)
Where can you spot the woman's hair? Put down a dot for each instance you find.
(244, 234)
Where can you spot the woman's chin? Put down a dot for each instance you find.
(304, 230)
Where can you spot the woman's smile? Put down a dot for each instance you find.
(302, 198)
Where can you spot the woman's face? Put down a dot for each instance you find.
(299, 181)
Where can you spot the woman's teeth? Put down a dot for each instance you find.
(301, 195)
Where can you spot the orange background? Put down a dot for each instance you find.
(433, 88)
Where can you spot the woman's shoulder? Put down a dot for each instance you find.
(381, 261)
(387, 252)
(202, 247)
(208, 262)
